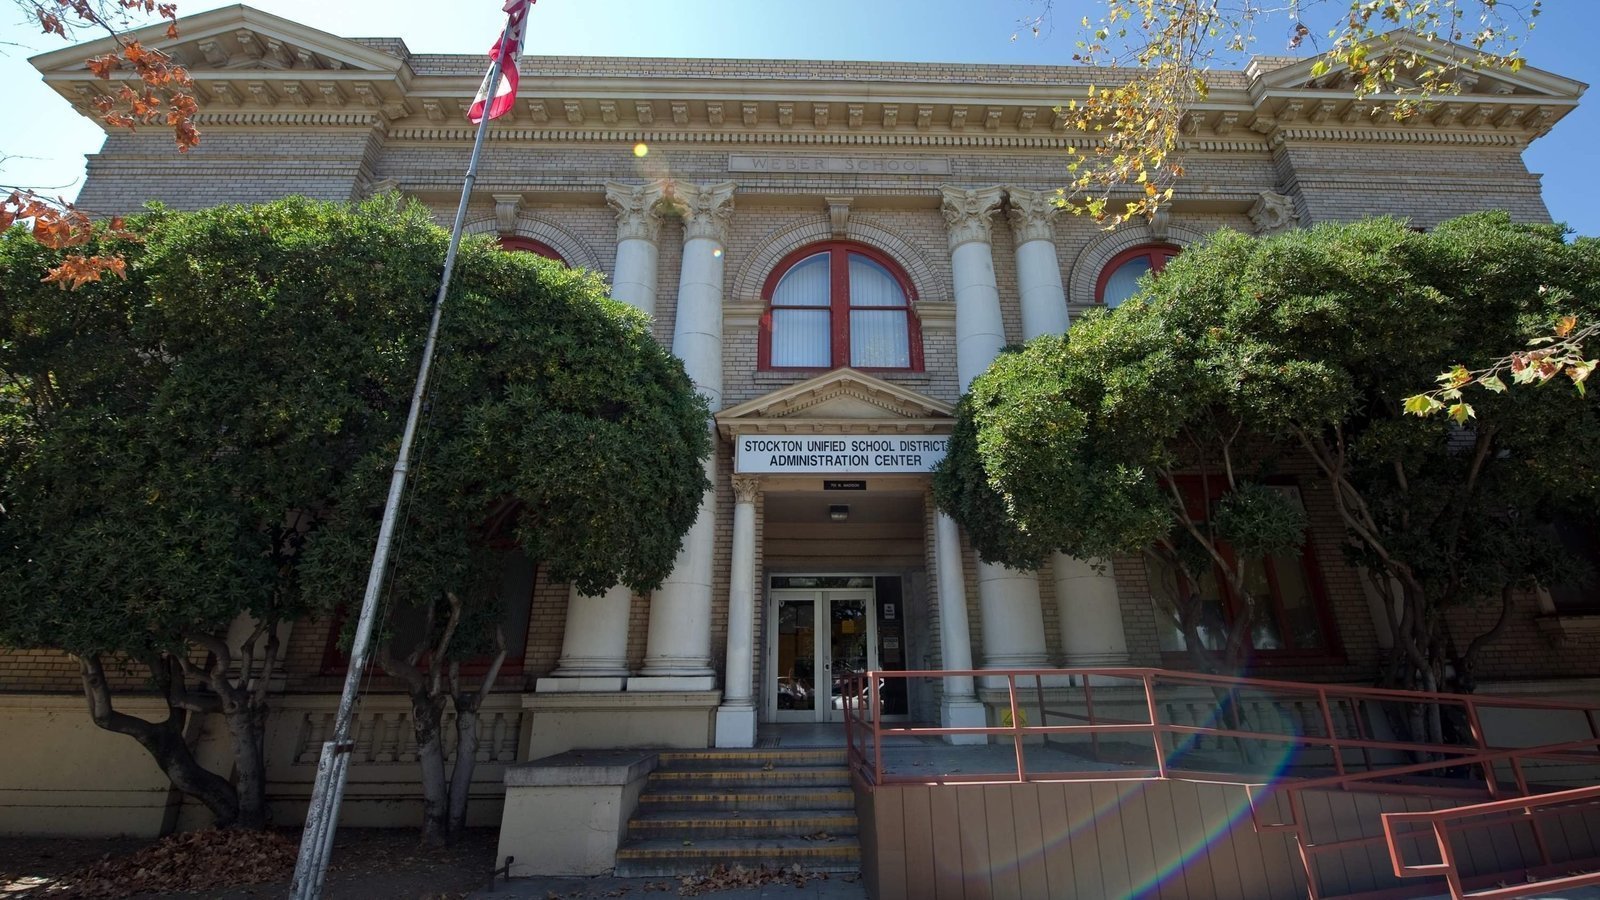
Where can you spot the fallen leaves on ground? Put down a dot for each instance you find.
(726, 878)
(192, 861)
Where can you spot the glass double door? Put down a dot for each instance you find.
(823, 638)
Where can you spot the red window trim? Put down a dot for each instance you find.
(839, 306)
(1195, 489)
(1158, 255)
(529, 245)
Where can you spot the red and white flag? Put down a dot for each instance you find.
(507, 50)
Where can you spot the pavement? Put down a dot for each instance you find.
(835, 886)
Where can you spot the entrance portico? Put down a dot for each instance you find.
(834, 471)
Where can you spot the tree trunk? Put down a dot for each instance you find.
(427, 714)
(164, 742)
(245, 727)
(466, 760)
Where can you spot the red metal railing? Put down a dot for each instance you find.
(1355, 757)
(1515, 811)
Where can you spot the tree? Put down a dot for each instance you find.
(1169, 49)
(174, 438)
(157, 94)
(1245, 354)
(172, 445)
(557, 427)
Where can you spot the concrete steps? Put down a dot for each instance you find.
(779, 808)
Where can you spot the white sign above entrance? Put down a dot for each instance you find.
(838, 453)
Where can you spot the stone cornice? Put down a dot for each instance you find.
(247, 63)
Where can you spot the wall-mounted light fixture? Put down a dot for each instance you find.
(838, 512)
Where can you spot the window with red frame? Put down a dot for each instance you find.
(528, 245)
(839, 304)
(1119, 280)
(516, 592)
(1293, 623)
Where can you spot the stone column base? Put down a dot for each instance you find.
(561, 684)
(736, 726)
(963, 714)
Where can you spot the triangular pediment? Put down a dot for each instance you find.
(842, 397)
(240, 39)
(1527, 83)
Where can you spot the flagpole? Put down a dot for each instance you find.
(322, 814)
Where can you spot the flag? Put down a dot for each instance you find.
(507, 49)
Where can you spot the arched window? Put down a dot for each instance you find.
(1119, 280)
(528, 245)
(839, 304)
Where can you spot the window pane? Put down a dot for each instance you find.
(1168, 588)
(1299, 606)
(878, 339)
(1124, 282)
(805, 284)
(1264, 630)
(800, 337)
(872, 285)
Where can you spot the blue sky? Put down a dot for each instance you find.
(49, 155)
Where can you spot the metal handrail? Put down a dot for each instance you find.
(1439, 821)
(863, 722)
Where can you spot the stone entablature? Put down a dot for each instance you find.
(252, 69)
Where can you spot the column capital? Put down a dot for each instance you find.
(637, 209)
(1032, 214)
(968, 212)
(746, 488)
(706, 208)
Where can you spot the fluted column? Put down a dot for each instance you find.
(633, 279)
(1008, 599)
(1090, 611)
(736, 718)
(678, 647)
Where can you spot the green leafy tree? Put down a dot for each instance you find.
(557, 426)
(1246, 353)
(174, 444)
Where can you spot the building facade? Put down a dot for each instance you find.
(834, 249)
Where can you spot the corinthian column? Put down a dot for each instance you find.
(633, 280)
(1008, 599)
(594, 647)
(736, 718)
(678, 647)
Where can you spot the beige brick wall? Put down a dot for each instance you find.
(562, 186)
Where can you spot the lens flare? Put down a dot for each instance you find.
(717, 252)
(641, 149)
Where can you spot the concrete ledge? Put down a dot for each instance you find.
(566, 814)
(582, 767)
